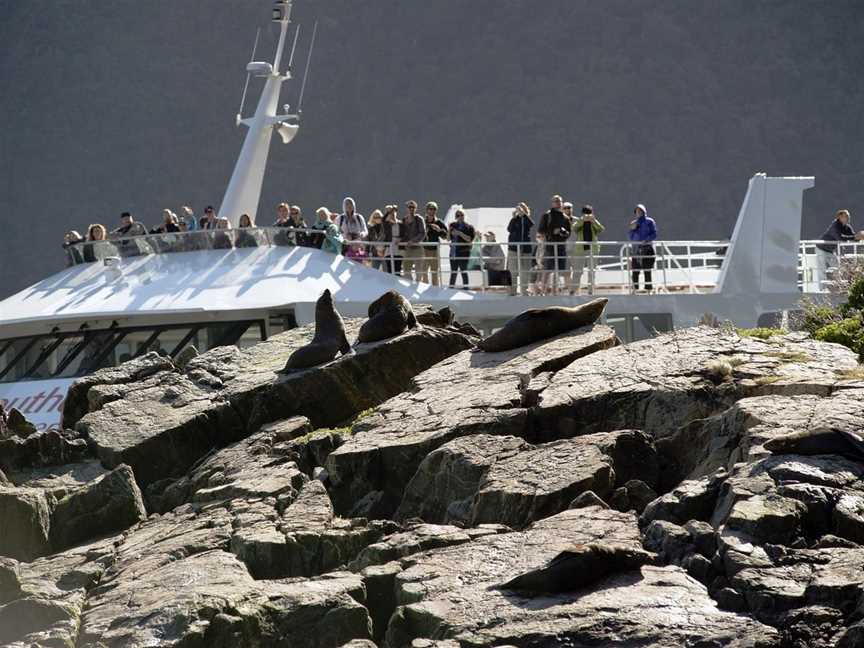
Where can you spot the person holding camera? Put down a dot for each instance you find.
(555, 227)
(586, 232)
(643, 233)
(462, 236)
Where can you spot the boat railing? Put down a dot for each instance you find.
(525, 268)
(819, 263)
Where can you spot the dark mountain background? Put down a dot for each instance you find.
(112, 105)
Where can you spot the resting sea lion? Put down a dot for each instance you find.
(818, 442)
(328, 341)
(542, 323)
(389, 315)
(579, 567)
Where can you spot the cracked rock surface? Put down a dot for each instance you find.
(383, 499)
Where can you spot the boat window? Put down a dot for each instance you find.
(78, 353)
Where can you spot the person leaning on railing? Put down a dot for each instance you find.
(839, 231)
(95, 232)
(493, 261)
(245, 235)
(393, 235)
(643, 232)
(169, 224)
(327, 232)
(586, 232)
(519, 252)
(221, 239)
(377, 237)
(71, 241)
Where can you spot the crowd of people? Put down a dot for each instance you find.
(541, 258)
(549, 256)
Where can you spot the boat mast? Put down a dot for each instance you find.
(244, 188)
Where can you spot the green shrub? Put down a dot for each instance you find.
(855, 303)
(763, 332)
(816, 316)
(848, 331)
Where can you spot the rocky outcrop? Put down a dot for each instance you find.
(26, 517)
(171, 419)
(486, 479)
(37, 521)
(400, 524)
(661, 384)
(467, 394)
(306, 540)
(79, 401)
(452, 593)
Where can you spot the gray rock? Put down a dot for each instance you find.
(45, 448)
(690, 500)
(26, 520)
(416, 539)
(226, 394)
(77, 405)
(586, 499)
(259, 466)
(209, 597)
(380, 583)
(483, 479)
(848, 517)
(469, 393)
(306, 540)
(672, 543)
(105, 506)
(659, 384)
(449, 594)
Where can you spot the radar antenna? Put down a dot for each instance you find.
(306, 73)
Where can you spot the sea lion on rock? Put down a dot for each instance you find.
(541, 323)
(389, 315)
(821, 441)
(328, 341)
(580, 566)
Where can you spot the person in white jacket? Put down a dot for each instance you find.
(352, 225)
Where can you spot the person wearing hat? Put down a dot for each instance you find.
(413, 236)
(436, 231)
(585, 248)
(643, 233)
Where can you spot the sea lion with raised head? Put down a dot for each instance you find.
(328, 341)
(542, 323)
(821, 441)
(580, 566)
(389, 315)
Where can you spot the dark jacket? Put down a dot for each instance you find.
(435, 231)
(413, 232)
(551, 225)
(519, 231)
(458, 247)
(836, 232)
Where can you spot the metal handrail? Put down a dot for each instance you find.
(536, 274)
